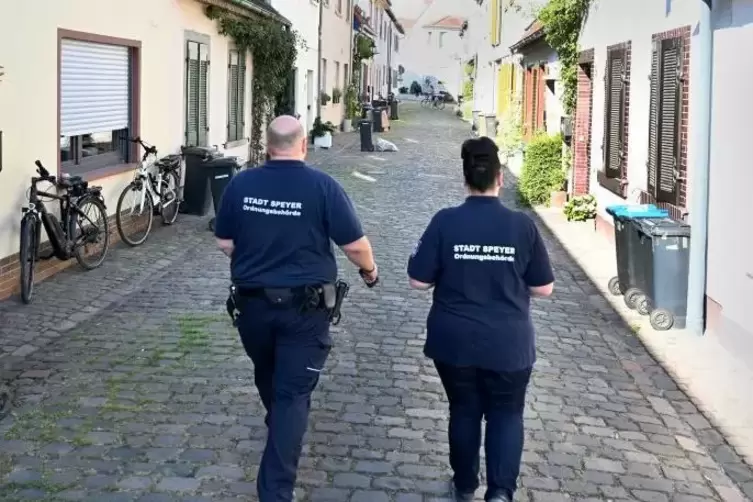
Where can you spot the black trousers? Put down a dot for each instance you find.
(475, 394)
(289, 349)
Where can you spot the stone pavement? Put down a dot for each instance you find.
(132, 386)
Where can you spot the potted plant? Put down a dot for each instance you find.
(324, 98)
(558, 197)
(581, 208)
(322, 133)
(510, 140)
(336, 95)
(352, 108)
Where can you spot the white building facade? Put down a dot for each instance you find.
(304, 16)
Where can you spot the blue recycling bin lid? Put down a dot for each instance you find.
(637, 211)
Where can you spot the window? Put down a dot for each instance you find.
(97, 104)
(441, 39)
(664, 149)
(615, 148)
(324, 76)
(197, 77)
(236, 94)
(337, 74)
(346, 77)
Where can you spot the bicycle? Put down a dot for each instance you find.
(434, 102)
(68, 236)
(152, 191)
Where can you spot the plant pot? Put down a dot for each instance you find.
(515, 163)
(347, 125)
(558, 199)
(323, 141)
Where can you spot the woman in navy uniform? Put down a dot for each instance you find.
(485, 262)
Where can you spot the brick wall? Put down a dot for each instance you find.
(582, 132)
(10, 269)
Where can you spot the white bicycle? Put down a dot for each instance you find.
(154, 189)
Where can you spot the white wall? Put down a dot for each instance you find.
(730, 240)
(304, 15)
(612, 22)
(423, 56)
(28, 92)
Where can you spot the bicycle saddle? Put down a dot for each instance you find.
(73, 182)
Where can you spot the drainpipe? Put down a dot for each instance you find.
(319, 63)
(699, 194)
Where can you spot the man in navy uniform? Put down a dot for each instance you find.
(275, 223)
(485, 262)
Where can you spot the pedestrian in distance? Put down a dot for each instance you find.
(277, 224)
(484, 263)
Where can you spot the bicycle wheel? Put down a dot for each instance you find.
(90, 229)
(27, 256)
(169, 198)
(131, 217)
(425, 102)
(441, 104)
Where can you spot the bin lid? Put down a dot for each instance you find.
(200, 151)
(637, 211)
(222, 162)
(662, 227)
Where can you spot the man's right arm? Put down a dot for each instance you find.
(346, 232)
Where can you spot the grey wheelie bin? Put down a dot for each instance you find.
(663, 255)
(626, 242)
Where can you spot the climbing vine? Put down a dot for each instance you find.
(274, 48)
(562, 21)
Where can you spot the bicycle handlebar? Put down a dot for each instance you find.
(44, 173)
(148, 149)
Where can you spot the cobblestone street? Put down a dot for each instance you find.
(131, 384)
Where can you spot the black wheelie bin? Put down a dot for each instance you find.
(367, 137)
(663, 256)
(221, 170)
(196, 190)
(625, 243)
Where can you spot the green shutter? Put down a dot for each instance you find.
(192, 93)
(615, 111)
(241, 113)
(232, 96)
(203, 113)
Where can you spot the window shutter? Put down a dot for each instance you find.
(535, 95)
(232, 95)
(192, 94)
(653, 120)
(94, 88)
(494, 30)
(669, 162)
(241, 117)
(615, 111)
(203, 125)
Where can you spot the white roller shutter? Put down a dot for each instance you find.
(94, 81)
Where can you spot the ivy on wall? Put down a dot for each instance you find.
(562, 21)
(274, 48)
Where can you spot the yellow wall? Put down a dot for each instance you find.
(28, 91)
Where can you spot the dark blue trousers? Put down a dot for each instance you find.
(475, 394)
(289, 350)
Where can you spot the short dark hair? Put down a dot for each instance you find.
(481, 165)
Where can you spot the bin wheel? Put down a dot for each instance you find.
(614, 286)
(5, 401)
(632, 296)
(662, 320)
(642, 305)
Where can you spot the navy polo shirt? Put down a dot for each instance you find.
(482, 257)
(282, 218)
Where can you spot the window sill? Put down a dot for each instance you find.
(614, 185)
(105, 172)
(236, 143)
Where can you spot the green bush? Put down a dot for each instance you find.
(581, 208)
(542, 170)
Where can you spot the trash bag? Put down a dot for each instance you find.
(382, 145)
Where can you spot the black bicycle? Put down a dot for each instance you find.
(82, 225)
